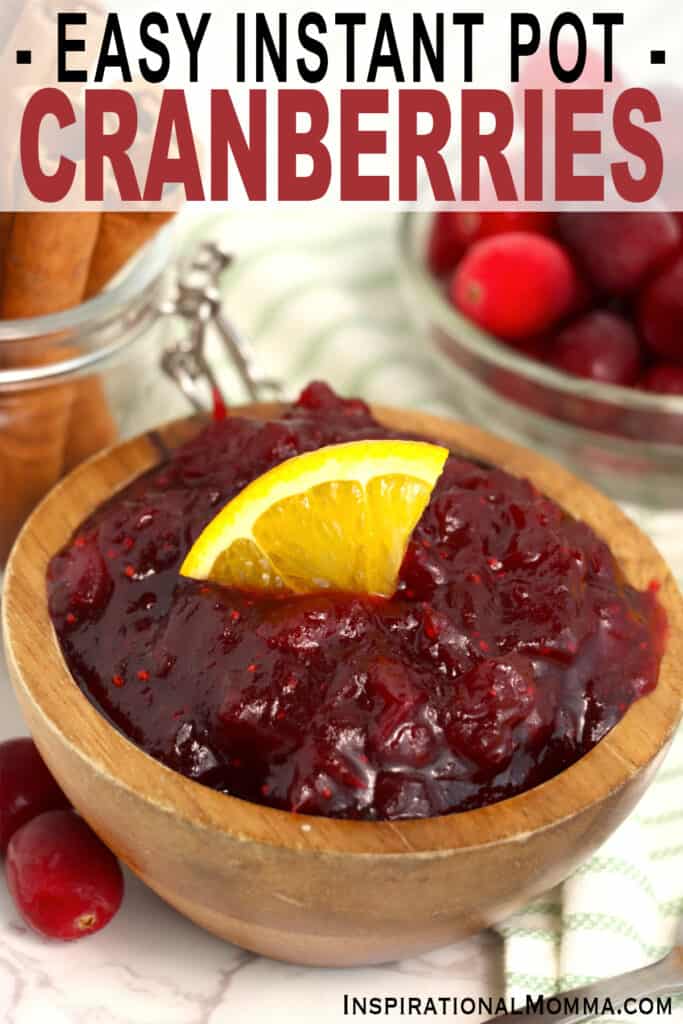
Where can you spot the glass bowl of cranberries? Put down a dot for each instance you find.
(563, 331)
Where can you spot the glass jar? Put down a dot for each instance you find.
(75, 382)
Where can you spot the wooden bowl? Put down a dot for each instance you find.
(315, 890)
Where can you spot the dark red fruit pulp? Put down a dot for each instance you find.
(617, 251)
(511, 646)
(63, 879)
(26, 787)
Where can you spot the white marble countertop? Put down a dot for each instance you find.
(150, 964)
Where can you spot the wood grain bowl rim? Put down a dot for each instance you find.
(40, 674)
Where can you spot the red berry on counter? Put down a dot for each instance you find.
(26, 787)
(515, 285)
(663, 379)
(600, 346)
(63, 879)
(618, 251)
(660, 313)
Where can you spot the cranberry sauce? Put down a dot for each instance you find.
(510, 648)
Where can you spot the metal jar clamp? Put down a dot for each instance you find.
(197, 301)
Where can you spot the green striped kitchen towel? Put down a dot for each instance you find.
(318, 295)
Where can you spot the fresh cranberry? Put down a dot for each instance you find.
(446, 244)
(534, 347)
(584, 298)
(486, 225)
(63, 879)
(660, 314)
(600, 346)
(26, 787)
(515, 285)
(453, 233)
(663, 379)
(618, 251)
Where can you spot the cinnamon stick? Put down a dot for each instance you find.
(91, 425)
(6, 222)
(32, 431)
(48, 262)
(45, 270)
(121, 236)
